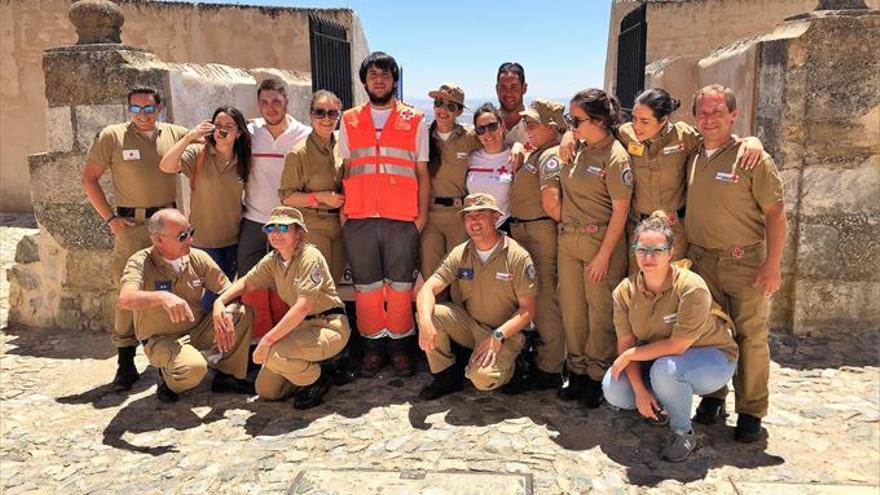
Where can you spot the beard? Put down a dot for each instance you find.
(382, 100)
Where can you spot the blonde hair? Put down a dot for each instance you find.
(657, 222)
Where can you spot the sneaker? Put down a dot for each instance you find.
(710, 411)
(679, 446)
(593, 395)
(574, 390)
(748, 428)
(163, 393)
(446, 382)
(228, 384)
(126, 372)
(313, 395)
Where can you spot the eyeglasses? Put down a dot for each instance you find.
(273, 227)
(183, 235)
(650, 251)
(483, 129)
(450, 105)
(320, 113)
(147, 109)
(573, 121)
(531, 124)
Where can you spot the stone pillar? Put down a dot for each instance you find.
(818, 114)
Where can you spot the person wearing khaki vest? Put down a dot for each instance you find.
(131, 151)
(217, 170)
(592, 204)
(736, 225)
(315, 327)
(533, 227)
(672, 339)
(498, 284)
(312, 181)
(163, 286)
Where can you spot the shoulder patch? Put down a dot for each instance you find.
(316, 276)
(626, 176)
(531, 272)
(551, 165)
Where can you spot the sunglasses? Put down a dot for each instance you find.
(573, 121)
(320, 113)
(650, 251)
(451, 106)
(148, 109)
(273, 227)
(483, 129)
(185, 234)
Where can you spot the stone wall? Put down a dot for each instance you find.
(234, 35)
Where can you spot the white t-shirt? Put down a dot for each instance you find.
(267, 164)
(490, 173)
(380, 117)
(485, 255)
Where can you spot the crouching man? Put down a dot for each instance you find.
(163, 286)
(497, 282)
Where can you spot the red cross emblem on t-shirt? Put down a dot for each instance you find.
(502, 169)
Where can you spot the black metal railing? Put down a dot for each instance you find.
(331, 58)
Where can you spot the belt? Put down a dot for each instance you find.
(643, 216)
(128, 212)
(329, 312)
(735, 252)
(322, 211)
(580, 229)
(449, 201)
(514, 221)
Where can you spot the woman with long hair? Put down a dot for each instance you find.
(489, 168)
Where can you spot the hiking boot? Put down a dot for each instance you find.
(710, 411)
(374, 357)
(748, 428)
(541, 380)
(126, 372)
(575, 388)
(163, 393)
(399, 350)
(228, 384)
(446, 382)
(313, 395)
(593, 396)
(679, 446)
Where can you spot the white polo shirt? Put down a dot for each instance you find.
(267, 164)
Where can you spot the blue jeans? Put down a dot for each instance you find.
(225, 258)
(674, 380)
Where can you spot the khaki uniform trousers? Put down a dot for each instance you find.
(126, 243)
(443, 231)
(453, 322)
(294, 360)
(730, 280)
(325, 232)
(680, 243)
(180, 361)
(539, 239)
(586, 306)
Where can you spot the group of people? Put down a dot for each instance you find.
(643, 254)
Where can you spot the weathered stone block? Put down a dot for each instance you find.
(833, 190)
(18, 276)
(90, 119)
(27, 250)
(88, 270)
(817, 251)
(57, 178)
(73, 226)
(836, 304)
(851, 242)
(59, 128)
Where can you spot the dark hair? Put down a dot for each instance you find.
(657, 222)
(729, 96)
(272, 84)
(513, 67)
(381, 61)
(242, 145)
(487, 108)
(599, 105)
(659, 101)
(145, 90)
(322, 94)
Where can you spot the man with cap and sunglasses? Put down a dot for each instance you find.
(163, 286)
(132, 152)
(498, 284)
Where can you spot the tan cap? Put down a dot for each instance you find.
(546, 112)
(449, 92)
(286, 215)
(479, 201)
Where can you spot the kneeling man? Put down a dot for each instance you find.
(497, 282)
(163, 286)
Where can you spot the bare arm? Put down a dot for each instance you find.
(91, 183)
(425, 301)
(769, 277)
(170, 163)
(294, 316)
(133, 299)
(551, 202)
(598, 266)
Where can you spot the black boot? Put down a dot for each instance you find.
(340, 369)
(748, 428)
(400, 353)
(710, 411)
(575, 388)
(446, 382)
(374, 357)
(126, 372)
(228, 384)
(313, 395)
(593, 396)
(163, 393)
(542, 380)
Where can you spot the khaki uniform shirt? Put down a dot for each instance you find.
(599, 175)
(660, 166)
(525, 195)
(307, 274)
(215, 202)
(311, 166)
(724, 201)
(449, 165)
(490, 291)
(133, 159)
(146, 270)
(681, 309)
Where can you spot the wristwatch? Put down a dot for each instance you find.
(498, 335)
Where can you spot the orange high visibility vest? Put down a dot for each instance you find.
(381, 179)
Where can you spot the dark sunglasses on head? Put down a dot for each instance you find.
(483, 129)
(147, 109)
(573, 121)
(320, 113)
(273, 227)
(450, 105)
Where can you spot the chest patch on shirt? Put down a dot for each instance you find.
(530, 168)
(726, 177)
(676, 148)
(595, 170)
(131, 155)
(635, 149)
(505, 178)
(461, 155)
(315, 275)
(163, 285)
(199, 282)
(466, 273)
(670, 318)
(504, 276)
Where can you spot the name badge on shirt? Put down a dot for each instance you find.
(727, 177)
(163, 285)
(461, 155)
(466, 273)
(504, 276)
(505, 178)
(671, 318)
(635, 149)
(596, 170)
(131, 155)
(199, 282)
(673, 149)
(530, 168)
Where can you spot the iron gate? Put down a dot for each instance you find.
(631, 52)
(331, 58)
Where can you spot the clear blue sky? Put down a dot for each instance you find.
(560, 43)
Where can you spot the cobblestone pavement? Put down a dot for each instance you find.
(63, 431)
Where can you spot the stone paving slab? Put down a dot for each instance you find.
(375, 482)
(752, 488)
